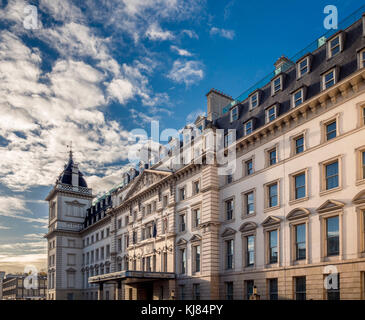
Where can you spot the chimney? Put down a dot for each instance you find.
(282, 64)
(216, 100)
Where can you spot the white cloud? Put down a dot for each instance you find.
(181, 52)
(228, 34)
(191, 117)
(187, 72)
(154, 32)
(190, 33)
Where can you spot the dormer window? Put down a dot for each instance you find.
(329, 78)
(271, 113)
(298, 97)
(335, 45)
(361, 58)
(247, 128)
(228, 139)
(276, 85)
(254, 100)
(303, 67)
(234, 113)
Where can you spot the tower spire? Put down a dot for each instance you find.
(69, 146)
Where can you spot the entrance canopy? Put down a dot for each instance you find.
(131, 274)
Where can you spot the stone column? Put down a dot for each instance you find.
(118, 289)
(100, 291)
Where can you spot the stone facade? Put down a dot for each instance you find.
(289, 219)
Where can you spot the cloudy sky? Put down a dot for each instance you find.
(94, 70)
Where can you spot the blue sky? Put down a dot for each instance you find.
(94, 70)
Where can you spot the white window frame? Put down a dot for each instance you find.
(361, 62)
(335, 71)
(322, 165)
(267, 113)
(232, 112)
(255, 94)
(245, 129)
(273, 92)
(340, 45)
(299, 70)
(301, 90)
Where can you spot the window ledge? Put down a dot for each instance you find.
(325, 192)
(295, 201)
(228, 221)
(271, 208)
(248, 216)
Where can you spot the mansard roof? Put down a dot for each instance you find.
(346, 61)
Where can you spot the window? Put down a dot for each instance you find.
(273, 246)
(334, 46)
(196, 291)
(229, 178)
(300, 288)
(272, 156)
(302, 67)
(299, 185)
(182, 194)
(249, 167)
(196, 258)
(107, 232)
(229, 254)
(299, 144)
(249, 203)
(273, 289)
(271, 114)
(196, 218)
(182, 223)
(164, 201)
(71, 259)
(229, 209)
(361, 57)
(300, 241)
(234, 114)
(254, 100)
(362, 165)
(333, 236)
(297, 98)
(182, 291)
(328, 79)
(331, 171)
(196, 187)
(183, 261)
(272, 195)
(331, 130)
(228, 139)
(333, 291)
(229, 290)
(70, 279)
(249, 284)
(247, 128)
(250, 251)
(276, 85)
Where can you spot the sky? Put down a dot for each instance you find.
(93, 70)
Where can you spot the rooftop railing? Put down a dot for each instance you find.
(319, 42)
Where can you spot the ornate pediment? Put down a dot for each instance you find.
(248, 226)
(359, 198)
(75, 203)
(330, 205)
(270, 221)
(181, 242)
(228, 232)
(195, 237)
(147, 179)
(298, 213)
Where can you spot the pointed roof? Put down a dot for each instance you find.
(66, 176)
(330, 205)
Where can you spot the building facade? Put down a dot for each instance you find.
(18, 287)
(287, 218)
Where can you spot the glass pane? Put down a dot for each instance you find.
(331, 130)
(299, 145)
(300, 186)
(332, 175)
